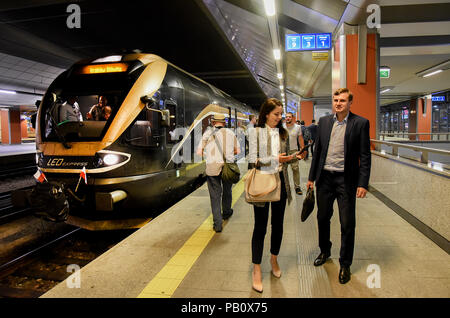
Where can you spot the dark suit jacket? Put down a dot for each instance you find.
(312, 131)
(356, 151)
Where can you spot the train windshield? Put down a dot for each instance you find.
(80, 106)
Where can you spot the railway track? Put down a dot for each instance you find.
(7, 211)
(31, 274)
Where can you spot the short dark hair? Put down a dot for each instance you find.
(342, 91)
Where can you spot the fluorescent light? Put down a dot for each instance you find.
(269, 5)
(281, 87)
(385, 90)
(277, 54)
(280, 75)
(7, 92)
(432, 73)
(111, 58)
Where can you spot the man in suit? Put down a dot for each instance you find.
(341, 170)
(312, 133)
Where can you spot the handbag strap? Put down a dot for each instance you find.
(218, 146)
(269, 146)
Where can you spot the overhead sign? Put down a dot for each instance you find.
(320, 56)
(438, 98)
(310, 41)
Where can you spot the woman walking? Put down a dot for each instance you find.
(273, 141)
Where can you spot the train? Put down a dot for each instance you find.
(122, 170)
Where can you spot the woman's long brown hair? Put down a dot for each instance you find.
(269, 105)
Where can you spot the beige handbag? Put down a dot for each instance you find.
(261, 186)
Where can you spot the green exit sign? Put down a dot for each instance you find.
(385, 72)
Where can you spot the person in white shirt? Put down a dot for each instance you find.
(271, 158)
(70, 110)
(295, 139)
(217, 143)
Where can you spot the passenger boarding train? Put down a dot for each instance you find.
(128, 158)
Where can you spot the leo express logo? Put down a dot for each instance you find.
(59, 162)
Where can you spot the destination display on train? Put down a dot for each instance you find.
(310, 41)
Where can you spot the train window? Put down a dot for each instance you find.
(81, 107)
(145, 130)
(79, 117)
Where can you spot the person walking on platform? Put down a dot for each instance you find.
(341, 169)
(312, 134)
(217, 143)
(271, 136)
(295, 139)
(305, 135)
(252, 122)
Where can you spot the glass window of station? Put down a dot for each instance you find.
(440, 113)
(395, 118)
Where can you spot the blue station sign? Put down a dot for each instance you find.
(438, 98)
(310, 41)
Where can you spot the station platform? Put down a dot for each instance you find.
(179, 255)
(19, 149)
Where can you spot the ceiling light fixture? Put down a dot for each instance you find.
(7, 92)
(277, 54)
(281, 87)
(432, 73)
(435, 69)
(280, 75)
(269, 5)
(385, 90)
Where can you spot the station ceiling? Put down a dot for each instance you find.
(225, 42)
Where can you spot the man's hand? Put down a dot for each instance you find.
(361, 192)
(309, 184)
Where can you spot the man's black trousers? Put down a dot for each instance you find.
(331, 186)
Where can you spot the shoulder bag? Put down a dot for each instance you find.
(230, 170)
(260, 186)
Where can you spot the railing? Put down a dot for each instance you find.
(403, 134)
(425, 151)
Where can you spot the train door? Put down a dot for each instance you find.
(170, 137)
(173, 136)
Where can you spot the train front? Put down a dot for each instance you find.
(80, 119)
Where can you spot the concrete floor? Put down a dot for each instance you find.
(179, 255)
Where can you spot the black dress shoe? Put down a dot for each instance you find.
(344, 275)
(321, 259)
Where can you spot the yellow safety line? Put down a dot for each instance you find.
(195, 165)
(164, 284)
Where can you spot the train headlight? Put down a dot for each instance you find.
(111, 159)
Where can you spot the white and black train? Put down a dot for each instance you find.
(132, 123)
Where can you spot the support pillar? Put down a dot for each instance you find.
(11, 130)
(355, 66)
(307, 111)
(424, 113)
